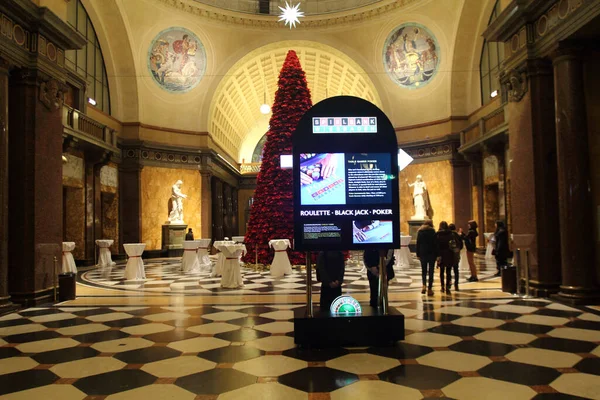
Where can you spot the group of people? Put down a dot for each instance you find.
(442, 249)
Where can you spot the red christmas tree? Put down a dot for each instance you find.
(271, 215)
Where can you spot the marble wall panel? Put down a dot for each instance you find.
(109, 177)
(74, 219)
(110, 219)
(155, 194)
(438, 178)
(73, 171)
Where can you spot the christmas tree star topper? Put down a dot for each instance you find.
(291, 14)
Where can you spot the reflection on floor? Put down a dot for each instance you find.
(165, 276)
(478, 345)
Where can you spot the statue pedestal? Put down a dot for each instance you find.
(173, 236)
(413, 230)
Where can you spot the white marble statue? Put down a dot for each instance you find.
(420, 198)
(176, 206)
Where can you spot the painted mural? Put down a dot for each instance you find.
(177, 60)
(411, 55)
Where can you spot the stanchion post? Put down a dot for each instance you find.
(256, 255)
(309, 306)
(55, 277)
(527, 273)
(518, 271)
(382, 287)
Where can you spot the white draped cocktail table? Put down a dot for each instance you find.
(231, 274)
(189, 261)
(202, 254)
(403, 257)
(134, 270)
(218, 244)
(281, 262)
(490, 245)
(68, 262)
(105, 258)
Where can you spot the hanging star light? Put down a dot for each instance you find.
(291, 14)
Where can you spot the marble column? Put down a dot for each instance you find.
(206, 205)
(93, 207)
(4, 296)
(534, 197)
(35, 181)
(130, 202)
(579, 279)
(461, 182)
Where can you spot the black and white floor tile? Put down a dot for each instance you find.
(462, 349)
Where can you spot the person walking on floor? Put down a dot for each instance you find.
(501, 249)
(470, 243)
(330, 269)
(445, 255)
(427, 252)
(371, 260)
(189, 235)
(456, 247)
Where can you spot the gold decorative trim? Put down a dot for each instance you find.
(270, 21)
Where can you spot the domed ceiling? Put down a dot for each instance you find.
(309, 7)
(235, 120)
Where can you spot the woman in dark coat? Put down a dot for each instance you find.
(501, 250)
(427, 252)
(470, 239)
(445, 254)
(330, 266)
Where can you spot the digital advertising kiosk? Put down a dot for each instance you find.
(345, 169)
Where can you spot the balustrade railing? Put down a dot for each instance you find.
(82, 124)
(483, 126)
(250, 168)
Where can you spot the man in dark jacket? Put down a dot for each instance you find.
(330, 267)
(458, 242)
(427, 252)
(501, 249)
(371, 260)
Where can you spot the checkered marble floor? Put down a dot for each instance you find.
(464, 349)
(165, 276)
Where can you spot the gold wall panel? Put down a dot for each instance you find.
(156, 193)
(438, 178)
(74, 219)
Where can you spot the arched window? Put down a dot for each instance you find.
(88, 62)
(491, 57)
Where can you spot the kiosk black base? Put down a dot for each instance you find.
(367, 329)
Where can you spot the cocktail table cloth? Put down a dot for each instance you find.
(105, 258)
(281, 262)
(134, 270)
(68, 262)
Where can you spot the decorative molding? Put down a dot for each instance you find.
(270, 21)
(31, 42)
(432, 123)
(51, 94)
(516, 85)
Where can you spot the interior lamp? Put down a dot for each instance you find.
(265, 108)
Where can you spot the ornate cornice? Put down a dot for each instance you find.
(270, 21)
(435, 150)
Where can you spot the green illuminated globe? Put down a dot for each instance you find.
(347, 309)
